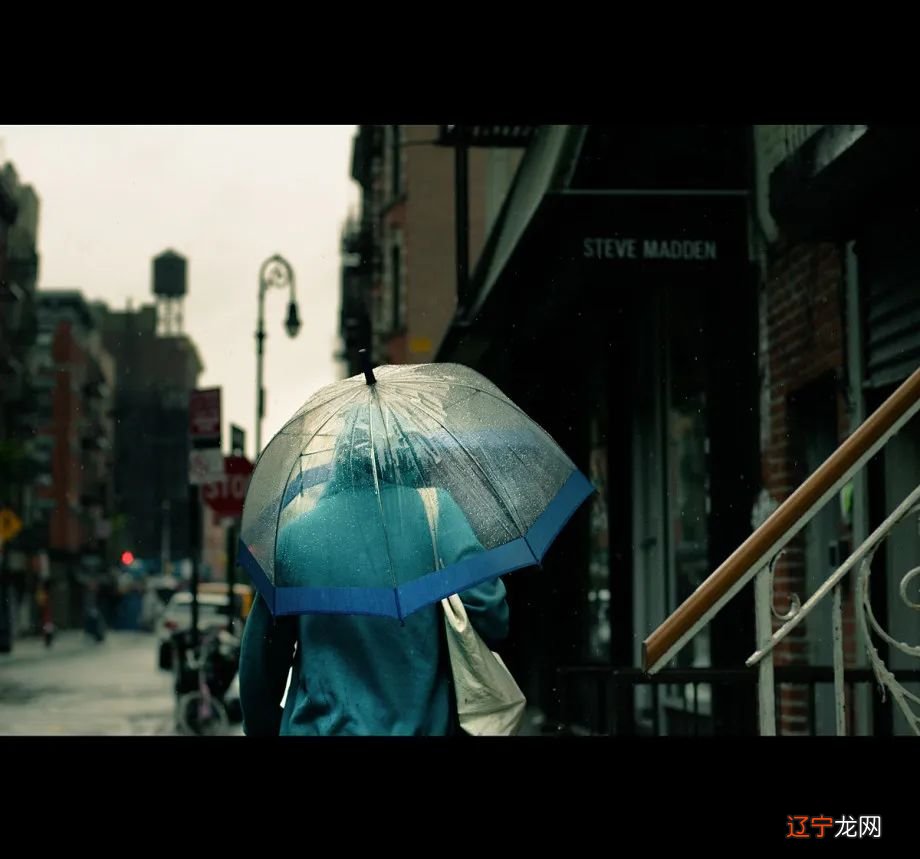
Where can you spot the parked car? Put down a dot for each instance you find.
(214, 612)
(160, 589)
(243, 594)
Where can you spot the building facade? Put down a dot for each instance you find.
(399, 287)
(74, 493)
(154, 377)
(615, 301)
(700, 315)
(19, 211)
(840, 314)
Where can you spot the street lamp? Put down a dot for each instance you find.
(275, 272)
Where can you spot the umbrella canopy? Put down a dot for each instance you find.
(334, 521)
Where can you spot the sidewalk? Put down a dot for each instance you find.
(532, 723)
(31, 648)
(535, 724)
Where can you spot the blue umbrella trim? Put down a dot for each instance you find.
(428, 589)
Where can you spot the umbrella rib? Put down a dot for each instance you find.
(402, 432)
(303, 411)
(297, 461)
(488, 480)
(502, 399)
(383, 521)
(421, 474)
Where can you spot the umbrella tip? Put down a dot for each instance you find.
(366, 367)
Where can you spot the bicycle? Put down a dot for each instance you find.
(200, 711)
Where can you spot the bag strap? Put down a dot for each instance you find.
(454, 612)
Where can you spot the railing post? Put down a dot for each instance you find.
(766, 693)
(839, 687)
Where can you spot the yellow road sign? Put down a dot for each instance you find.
(10, 524)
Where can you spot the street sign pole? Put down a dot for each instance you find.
(204, 433)
(237, 449)
(231, 568)
(195, 546)
(237, 441)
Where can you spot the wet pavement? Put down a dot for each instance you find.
(78, 687)
(83, 688)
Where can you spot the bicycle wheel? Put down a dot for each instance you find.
(200, 717)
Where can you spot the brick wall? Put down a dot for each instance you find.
(805, 343)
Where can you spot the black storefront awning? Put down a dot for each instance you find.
(551, 235)
(493, 136)
(823, 189)
(545, 167)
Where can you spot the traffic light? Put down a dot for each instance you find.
(127, 558)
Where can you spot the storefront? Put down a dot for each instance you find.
(623, 319)
(855, 186)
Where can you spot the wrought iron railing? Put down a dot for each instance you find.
(598, 700)
(756, 557)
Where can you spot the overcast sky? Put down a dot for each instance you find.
(226, 198)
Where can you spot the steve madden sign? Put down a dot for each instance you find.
(690, 250)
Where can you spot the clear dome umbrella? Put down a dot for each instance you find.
(334, 519)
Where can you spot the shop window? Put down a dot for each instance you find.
(597, 642)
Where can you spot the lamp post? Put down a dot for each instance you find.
(275, 272)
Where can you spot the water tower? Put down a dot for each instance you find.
(169, 287)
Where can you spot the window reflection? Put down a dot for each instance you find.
(597, 645)
(687, 481)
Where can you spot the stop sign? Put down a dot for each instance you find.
(226, 496)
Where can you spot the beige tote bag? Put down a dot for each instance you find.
(489, 701)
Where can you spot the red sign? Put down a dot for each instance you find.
(226, 496)
(204, 416)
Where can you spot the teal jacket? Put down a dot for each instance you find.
(356, 675)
